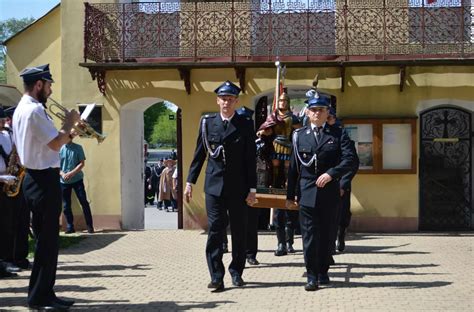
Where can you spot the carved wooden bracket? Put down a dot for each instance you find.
(343, 77)
(240, 74)
(185, 74)
(402, 77)
(99, 75)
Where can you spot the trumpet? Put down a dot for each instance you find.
(81, 127)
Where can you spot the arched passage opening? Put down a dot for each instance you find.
(132, 162)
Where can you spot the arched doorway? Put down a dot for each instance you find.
(132, 162)
(446, 169)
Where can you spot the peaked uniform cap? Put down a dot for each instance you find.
(332, 111)
(2, 113)
(320, 101)
(32, 74)
(245, 111)
(227, 88)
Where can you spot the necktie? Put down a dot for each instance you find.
(317, 131)
(226, 122)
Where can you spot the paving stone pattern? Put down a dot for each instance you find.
(165, 270)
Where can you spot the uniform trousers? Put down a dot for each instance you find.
(252, 233)
(345, 214)
(14, 228)
(43, 197)
(222, 210)
(317, 225)
(285, 218)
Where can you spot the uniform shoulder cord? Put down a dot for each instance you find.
(214, 154)
(309, 163)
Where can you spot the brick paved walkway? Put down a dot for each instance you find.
(166, 271)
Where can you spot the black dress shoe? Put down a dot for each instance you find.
(51, 306)
(289, 248)
(64, 302)
(237, 281)
(311, 286)
(323, 278)
(5, 274)
(252, 261)
(281, 250)
(11, 268)
(24, 264)
(216, 285)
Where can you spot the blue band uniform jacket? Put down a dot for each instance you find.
(335, 156)
(236, 174)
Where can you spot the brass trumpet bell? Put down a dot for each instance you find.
(83, 128)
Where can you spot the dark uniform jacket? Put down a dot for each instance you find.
(237, 173)
(345, 182)
(335, 156)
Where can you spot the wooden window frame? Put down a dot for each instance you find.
(377, 141)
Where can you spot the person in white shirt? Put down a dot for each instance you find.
(38, 143)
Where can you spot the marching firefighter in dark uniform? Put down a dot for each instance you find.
(321, 156)
(229, 140)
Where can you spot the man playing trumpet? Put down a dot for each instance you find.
(38, 143)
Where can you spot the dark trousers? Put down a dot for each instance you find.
(316, 230)
(217, 208)
(285, 219)
(80, 191)
(345, 212)
(252, 232)
(43, 197)
(14, 228)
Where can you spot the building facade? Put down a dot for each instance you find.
(402, 72)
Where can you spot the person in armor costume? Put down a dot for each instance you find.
(227, 140)
(322, 155)
(280, 126)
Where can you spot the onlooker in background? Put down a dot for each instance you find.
(173, 155)
(149, 193)
(72, 161)
(166, 186)
(155, 180)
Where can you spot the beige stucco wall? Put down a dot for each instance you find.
(37, 45)
(369, 91)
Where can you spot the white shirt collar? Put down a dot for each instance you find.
(228, 119)
(31, 99)
(313, 126)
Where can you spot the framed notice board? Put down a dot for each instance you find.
(384, 145)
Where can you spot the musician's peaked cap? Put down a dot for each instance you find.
(32, 74)
(9, 111)
(245, 111)
(227, 88)
(2, 113)
(332, 111)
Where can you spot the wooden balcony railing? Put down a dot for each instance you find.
(292, 30)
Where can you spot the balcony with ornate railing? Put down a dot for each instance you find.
(259, 31)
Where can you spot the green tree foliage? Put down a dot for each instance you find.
(158, 127)
(164, 131)
(8, 28)
(150, 117)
